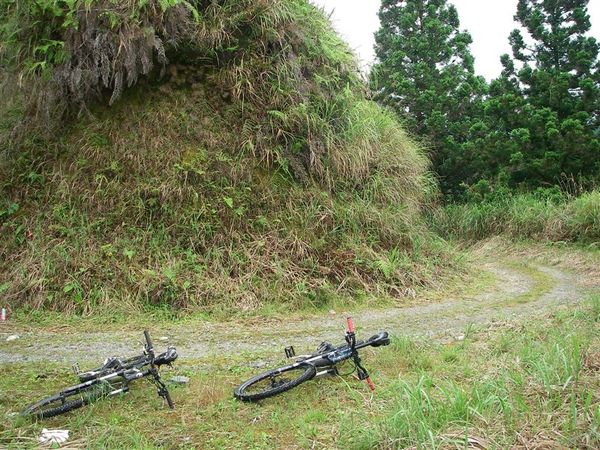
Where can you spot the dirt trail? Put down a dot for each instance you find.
(517, 292)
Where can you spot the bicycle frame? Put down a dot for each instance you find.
(108, 381)
(328, 360)
(126, 379)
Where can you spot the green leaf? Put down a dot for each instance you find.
(170, 274)
(228, 201)
(4, 287)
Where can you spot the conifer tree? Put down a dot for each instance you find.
(425, 73)
(545, 107)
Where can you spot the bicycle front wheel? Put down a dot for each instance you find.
(274, 382)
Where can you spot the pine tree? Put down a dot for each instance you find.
(545, 107)
(425, 73)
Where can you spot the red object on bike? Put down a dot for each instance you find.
(370, 383)
(350, 325)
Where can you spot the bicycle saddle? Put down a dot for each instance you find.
(380, 339)
(167, 357)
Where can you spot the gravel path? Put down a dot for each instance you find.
(441, 321)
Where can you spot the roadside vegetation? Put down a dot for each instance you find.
(524, 384)
(252, 175)
(544, 216)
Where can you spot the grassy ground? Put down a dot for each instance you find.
(525, 384)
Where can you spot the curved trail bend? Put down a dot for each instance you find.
(517, 292)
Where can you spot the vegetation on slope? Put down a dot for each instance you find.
(253, 172)
(545, 215)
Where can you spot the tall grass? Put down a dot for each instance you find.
(292, 79)
(537, 390)
(254, 176)
(524, 216)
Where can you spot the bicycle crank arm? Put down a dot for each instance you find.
(330, 371)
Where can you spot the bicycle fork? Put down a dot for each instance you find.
(363, 375)
(161, 389)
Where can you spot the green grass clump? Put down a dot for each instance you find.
(537, 378)
(524, 216)
(253, 175)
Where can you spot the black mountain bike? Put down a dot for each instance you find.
(323, 362)
(111, 379)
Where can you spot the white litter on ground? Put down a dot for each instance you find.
(180, 380)
(54, 436)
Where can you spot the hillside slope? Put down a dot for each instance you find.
(250, 171)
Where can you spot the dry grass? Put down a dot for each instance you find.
(158, 209)
(255, 174)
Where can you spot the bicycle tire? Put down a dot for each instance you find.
(61, 409)
(308, 371)
(57, 404)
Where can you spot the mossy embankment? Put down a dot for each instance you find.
(239, 167)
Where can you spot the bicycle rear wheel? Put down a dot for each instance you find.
(274, 382)
(66, 401)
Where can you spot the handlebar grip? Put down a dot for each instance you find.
(148, 340)
(370, 383)
(350, 325)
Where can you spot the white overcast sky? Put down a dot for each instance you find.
(489, 22)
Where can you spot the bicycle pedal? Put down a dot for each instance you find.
(76, 369)
(290, 352)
